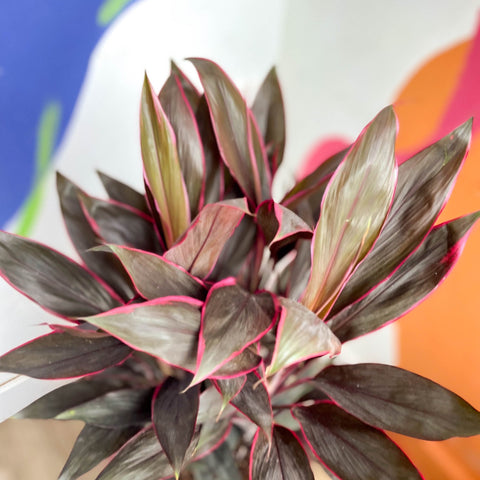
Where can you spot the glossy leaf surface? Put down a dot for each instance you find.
(141, 458)
(354, 208)
(84, 238)
(280, 225)
(155, 277)
(162, 167)
(232, 319)
(189, 146)
(231, 123)
(424, 184)
(254, 402)
(270, 116)
(417, 277)
(198, 252)
(166, 328)
(93, 445)
(394, 399)
(174, 416)
(63, 355)
(120, 224)
(123, 193)
(50, 279)
(121, 408)
(350, 448)
(284, 459)
(300, 335)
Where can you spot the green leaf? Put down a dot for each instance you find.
(141, 458)
(350, 448)
(236, 136)
(174, 416)
(93, 445)
(166, 328)
(199, 250)
(189, 145)
(283, 459)
(415, 279)
(232, 319)
(424, 184)
(50, 279)
(120, 408)
(84, 238)
(270, 116)
(394, 399)
(162, 167)
(354, 208)
(122, 193)
(300, 335)
(155, 277)
(120, 224)
(64, 355)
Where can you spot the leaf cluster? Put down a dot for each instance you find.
(204, 315)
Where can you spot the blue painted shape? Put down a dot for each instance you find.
(44, 51)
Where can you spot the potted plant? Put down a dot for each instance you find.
(204, 319)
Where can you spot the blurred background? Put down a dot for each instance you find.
(70, 80)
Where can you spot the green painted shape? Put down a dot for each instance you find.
(109, 10)
(46, 136)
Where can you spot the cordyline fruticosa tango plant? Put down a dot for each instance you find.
(204, 316)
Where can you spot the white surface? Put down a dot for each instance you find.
(339, 63)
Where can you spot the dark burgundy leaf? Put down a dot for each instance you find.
(174, 416)
(246, 361)
(191, 92)
(120, 224)
(64, 355)
(283, 459)
(166, 328)
(70, 395)
(254, 402)
(214, 167)
(84, 238)
(155, 277)
(50, 279)
(120, 408)
(280, 225)
(232, 319)
(270, 116)
(122, 193)
(417, 277)
(218, 465)
(93, 445)
(424, 184)
(312, 187)
(141, 458)
(350, 448)
(199, 250)
(229, 387)
(394, 399)
(234, 132)
(189, 145)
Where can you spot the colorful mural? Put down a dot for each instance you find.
(46, 45)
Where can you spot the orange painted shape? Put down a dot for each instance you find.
(440, 339)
